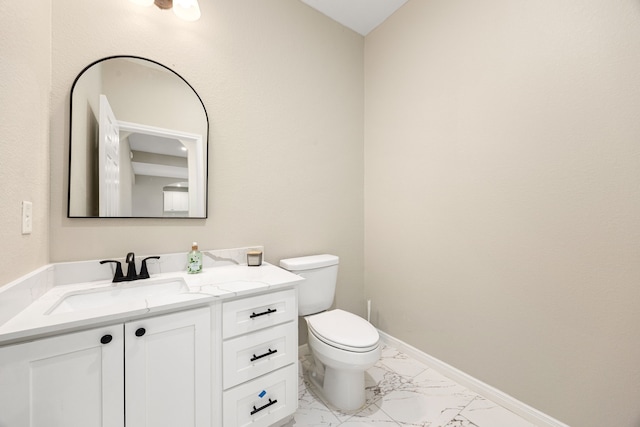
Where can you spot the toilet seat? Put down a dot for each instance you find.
(344, 330)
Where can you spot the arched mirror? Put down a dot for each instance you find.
(138, 144)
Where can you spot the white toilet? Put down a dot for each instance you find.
(343, 345)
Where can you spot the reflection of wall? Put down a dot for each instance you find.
(148, 198)
(152, 97)
(84, 177)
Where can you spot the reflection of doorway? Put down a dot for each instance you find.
(159, 157)
(156, 162)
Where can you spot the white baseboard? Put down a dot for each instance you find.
(514, 405)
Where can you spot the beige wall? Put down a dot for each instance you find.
(283, 87)
(502, 196)
(25, 83)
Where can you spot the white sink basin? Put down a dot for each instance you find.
(122, 293)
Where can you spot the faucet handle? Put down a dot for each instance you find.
(144, 273)
(118, 276)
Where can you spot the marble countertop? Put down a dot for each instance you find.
(212, 284)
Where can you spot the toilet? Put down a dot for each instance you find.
(343, 345)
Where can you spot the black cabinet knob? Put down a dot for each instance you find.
(106, 339)
(140, 332)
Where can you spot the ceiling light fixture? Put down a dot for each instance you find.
(189, 10)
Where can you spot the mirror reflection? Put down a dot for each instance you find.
(139, 137)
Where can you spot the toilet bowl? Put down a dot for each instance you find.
(343, 345)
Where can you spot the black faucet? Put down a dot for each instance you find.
(131, 269)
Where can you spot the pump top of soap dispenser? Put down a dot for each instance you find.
(194, 246)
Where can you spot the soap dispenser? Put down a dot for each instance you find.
(194, 260)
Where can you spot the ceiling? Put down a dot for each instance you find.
(362, 16)
(141, 142)
(157, 144)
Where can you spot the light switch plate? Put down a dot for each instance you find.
(27, 217)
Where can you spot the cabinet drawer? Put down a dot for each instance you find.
(255, 313)
(251, 355)
(263, 401)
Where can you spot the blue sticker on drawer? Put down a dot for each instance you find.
(262, 394)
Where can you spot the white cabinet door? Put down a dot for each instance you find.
(181, 201)
(176, 201)
(168, 201)
(72, 380)
(168, 366)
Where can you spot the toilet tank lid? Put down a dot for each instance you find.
(309, 262)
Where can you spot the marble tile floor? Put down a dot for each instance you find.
(403, 392)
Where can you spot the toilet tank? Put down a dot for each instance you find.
(316, 293)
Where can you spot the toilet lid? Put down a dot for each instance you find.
(344, 330)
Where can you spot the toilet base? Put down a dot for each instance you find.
(343, 389)
(340, 381)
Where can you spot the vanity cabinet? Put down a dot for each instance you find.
(259, 359)
(161, 364)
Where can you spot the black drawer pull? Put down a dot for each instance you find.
(106, 339)
(140, 332)
(271, 402)
(269, 311)
(269, 353)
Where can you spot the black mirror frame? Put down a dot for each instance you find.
(206, 171)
